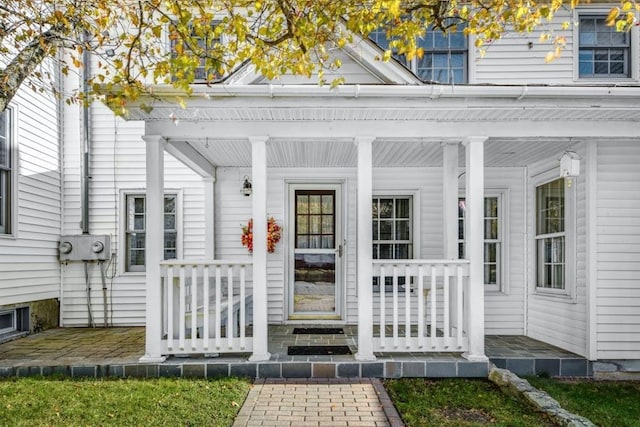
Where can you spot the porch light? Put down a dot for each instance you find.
(246, 187)
(569, 165)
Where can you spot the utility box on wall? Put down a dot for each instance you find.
(85, 247)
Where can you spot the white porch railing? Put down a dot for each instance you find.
(206, 306)
(420, 306)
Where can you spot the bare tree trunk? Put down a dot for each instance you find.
(25, 63)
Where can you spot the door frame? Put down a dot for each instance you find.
(339, 211)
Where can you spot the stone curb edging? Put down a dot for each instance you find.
(539, 399)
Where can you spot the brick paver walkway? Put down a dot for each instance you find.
(318, 402)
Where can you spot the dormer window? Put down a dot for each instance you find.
(603, 51)
(444, 60)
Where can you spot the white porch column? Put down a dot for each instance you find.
(259, 210)
(450, 199)
(365, 248)
(154, 243)
(209, 216)
(474, 245)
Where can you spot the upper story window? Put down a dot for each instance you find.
(445, 56)
(493, 240)
(203, 42)
(6, 172)
(603, 51)
(136, 233)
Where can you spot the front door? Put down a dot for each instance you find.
(315, 258)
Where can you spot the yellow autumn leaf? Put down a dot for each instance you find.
(611, 17)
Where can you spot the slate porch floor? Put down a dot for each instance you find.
(115, 352)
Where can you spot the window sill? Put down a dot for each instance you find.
(554, 294)
(8, 237)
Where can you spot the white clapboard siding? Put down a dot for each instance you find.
(233, 210)
(352, 71)
(511, 61)
(618, 250)
(29, 267)
(556, 320)
(117, 166)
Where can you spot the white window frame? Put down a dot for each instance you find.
(570, 223)
(633, 47)
(223, 40)
(414, 215)
(124, 195)
(413, 63)
(502, 240)
(12, 210)
(13, 326)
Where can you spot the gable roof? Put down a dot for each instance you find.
(362, 57)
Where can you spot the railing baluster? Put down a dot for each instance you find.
(421, 317)
(460, 306)
(383, 312)
(395, 306)
(218, 306)
(170, 311)
(445, 303)
(194, 307)
(205, 307)
(182, 303)
(242, 308)
(407, 306)
(434, 319)
(230, 306)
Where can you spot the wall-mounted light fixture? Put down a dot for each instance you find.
(246, 187)
(569, 165)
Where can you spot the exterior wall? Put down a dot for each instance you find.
(29, 267)
(559, 320)
(118, 165)
(505, 313)
(520, 58)
(618, 250)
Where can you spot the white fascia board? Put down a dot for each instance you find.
(436, 131)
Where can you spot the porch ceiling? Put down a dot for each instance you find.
(318, 153)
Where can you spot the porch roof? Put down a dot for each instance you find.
(312, 126)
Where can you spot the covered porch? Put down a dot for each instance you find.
(224, 305)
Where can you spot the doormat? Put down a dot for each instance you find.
(317, 350)
(319, 331)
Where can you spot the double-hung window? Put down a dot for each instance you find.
(445, 56)
(603, 51)
(392, 232)
(6, 172)
(136, 233)
(493, 240)
(203, 41)
(551, 235)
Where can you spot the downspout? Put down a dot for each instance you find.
(86, 143)
(86, 172)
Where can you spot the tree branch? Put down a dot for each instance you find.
(25, 63)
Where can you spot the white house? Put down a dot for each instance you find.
(493, 196)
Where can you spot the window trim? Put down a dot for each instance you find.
(122, 212)
(217, 20)
(503, 233)
(634, 61)
(412, 65)
(414, 216)
(570, 233)
(12, 211)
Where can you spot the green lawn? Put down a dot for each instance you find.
(458, 402)
(610, 403)
(130, 402)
